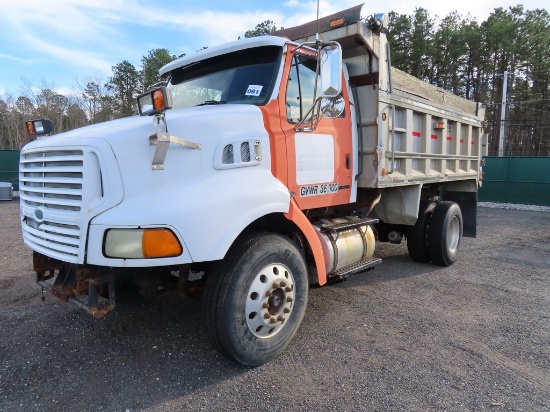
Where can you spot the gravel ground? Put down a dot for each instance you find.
(403, 337)
(534, 208)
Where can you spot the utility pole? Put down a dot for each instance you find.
(502, 115)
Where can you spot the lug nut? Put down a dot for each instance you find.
(266, 316)
(272, 320)
(283, 284)
(287, 289)
(280, 318)
(265, 305)
(275, 285)
(289, 299)
(286, 310)
(268, 293)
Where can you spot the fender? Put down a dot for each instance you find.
(295, 215)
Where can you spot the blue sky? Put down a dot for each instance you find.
(56, 43)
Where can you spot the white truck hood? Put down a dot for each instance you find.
(197, 191)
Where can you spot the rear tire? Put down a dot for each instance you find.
(445, 234)
(255, 299)
(417, 235)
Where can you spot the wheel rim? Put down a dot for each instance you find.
(453, 234)
(270, 300)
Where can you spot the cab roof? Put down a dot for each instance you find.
(223, 49)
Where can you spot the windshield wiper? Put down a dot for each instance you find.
(209, 102)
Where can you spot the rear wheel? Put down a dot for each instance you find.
(445, 234)
(256, 299)
(417, 235)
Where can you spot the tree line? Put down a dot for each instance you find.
(455, 53)
(94, 99)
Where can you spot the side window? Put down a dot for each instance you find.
(300, 87)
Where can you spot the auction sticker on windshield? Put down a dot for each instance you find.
(254, 90)
(318, 190)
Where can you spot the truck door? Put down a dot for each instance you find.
(320, 169)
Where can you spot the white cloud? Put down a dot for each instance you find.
(70, 30)
(87, 35)
(14, 58)
(60, 29)
(66, 19)
(69, 55)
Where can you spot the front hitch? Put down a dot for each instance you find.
(83, 286)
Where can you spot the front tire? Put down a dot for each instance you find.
(256, 298)
(445, 234)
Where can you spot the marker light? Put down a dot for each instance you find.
(158, 243)
(141, 243)
(41, 126)
(30, 128)
(337, 22)
(158, 100)
(154, 102)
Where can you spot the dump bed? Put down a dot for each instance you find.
(409, 131)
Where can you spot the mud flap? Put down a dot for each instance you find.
(468, 206)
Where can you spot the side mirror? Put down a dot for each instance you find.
(331, 70)
(332, 108)
(39, 127)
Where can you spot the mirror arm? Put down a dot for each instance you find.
(310, 126)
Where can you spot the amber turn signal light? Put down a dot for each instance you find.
(154, 101)
(41, 126)
(159, 243)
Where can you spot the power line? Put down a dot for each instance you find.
(523, 121)
(530, 101)
(529, 108)
(528, 126)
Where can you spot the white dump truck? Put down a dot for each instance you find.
(262, 167)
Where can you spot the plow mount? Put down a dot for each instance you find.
(83, 286)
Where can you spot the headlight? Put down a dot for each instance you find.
(141, 243)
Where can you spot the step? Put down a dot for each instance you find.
(366, 264)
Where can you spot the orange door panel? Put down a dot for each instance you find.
(319, 163)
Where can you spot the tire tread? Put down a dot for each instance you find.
(437, 235)
(225, 283)
(417, 242)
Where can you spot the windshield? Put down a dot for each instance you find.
(243, 77)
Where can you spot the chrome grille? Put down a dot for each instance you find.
(52, 179)
(53, 201)
(52, 238)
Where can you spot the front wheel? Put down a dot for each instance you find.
(256, 298)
